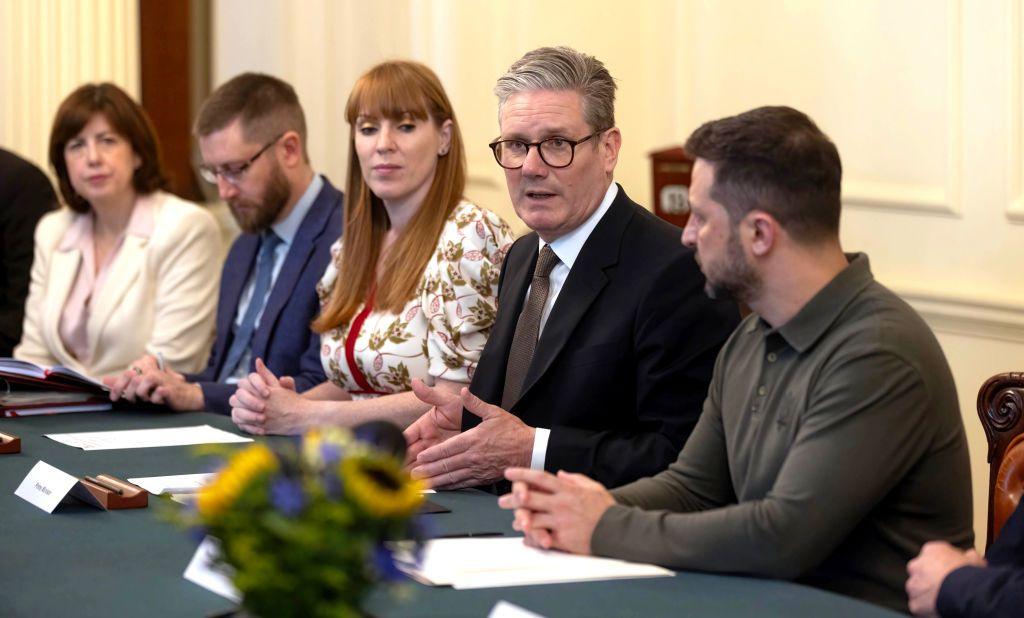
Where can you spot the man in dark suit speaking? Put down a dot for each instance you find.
(252, 135)
(604, 341)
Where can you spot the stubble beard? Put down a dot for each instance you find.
(736, 279)
(256, 216)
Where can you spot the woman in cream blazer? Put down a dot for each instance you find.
(124, 269)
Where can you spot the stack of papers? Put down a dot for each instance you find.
(147, 438)
(506, 561)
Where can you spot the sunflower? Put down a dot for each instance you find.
(380, 486)
(245, 465)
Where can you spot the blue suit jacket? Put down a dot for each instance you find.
(995, 591)
(283, 340)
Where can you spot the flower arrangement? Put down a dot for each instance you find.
(303, 524)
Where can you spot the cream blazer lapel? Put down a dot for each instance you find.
(125, 270)
(128, 265)
(64, 267)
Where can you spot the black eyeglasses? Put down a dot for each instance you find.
(233, 172)
(554, 151)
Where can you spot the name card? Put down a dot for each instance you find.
(46, 486)
(205, 571)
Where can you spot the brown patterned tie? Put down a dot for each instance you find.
(524, 342)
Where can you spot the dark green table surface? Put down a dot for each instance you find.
(85, 562)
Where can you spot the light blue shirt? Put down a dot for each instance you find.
(567, 248)
(286, 231)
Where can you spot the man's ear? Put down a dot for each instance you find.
(290, 149)
(611, 141)
(761, 231)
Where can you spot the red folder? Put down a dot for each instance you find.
(31, 403)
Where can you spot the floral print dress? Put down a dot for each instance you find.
(441, 332)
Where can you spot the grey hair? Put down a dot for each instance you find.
(563, 68)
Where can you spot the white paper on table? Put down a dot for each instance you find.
(181, 487)
(147, 438)
(467, 563)
(205, 571)
(504, 609)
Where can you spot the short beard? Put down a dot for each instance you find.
(259, 215)
(738, 281)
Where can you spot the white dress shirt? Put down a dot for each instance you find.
(567, 248)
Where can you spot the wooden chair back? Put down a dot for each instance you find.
(1001, 410)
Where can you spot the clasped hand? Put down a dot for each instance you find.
(443, 456)
(146, 381)
(266, 404)
(555, 511)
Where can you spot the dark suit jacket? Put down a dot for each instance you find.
(624, 362)
(25, 195)
(995, 591)
(283, 339)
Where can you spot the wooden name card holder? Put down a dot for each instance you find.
(113, 493)
(9, 444)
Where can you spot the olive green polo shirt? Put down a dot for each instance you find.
(828, 451)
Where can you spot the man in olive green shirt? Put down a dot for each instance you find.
(831, 446)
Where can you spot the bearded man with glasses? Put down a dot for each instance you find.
(604, 341)
(252, 136)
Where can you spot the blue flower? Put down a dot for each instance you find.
(287, 496)
(330, 453)
(421, 528)
(384, 565)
